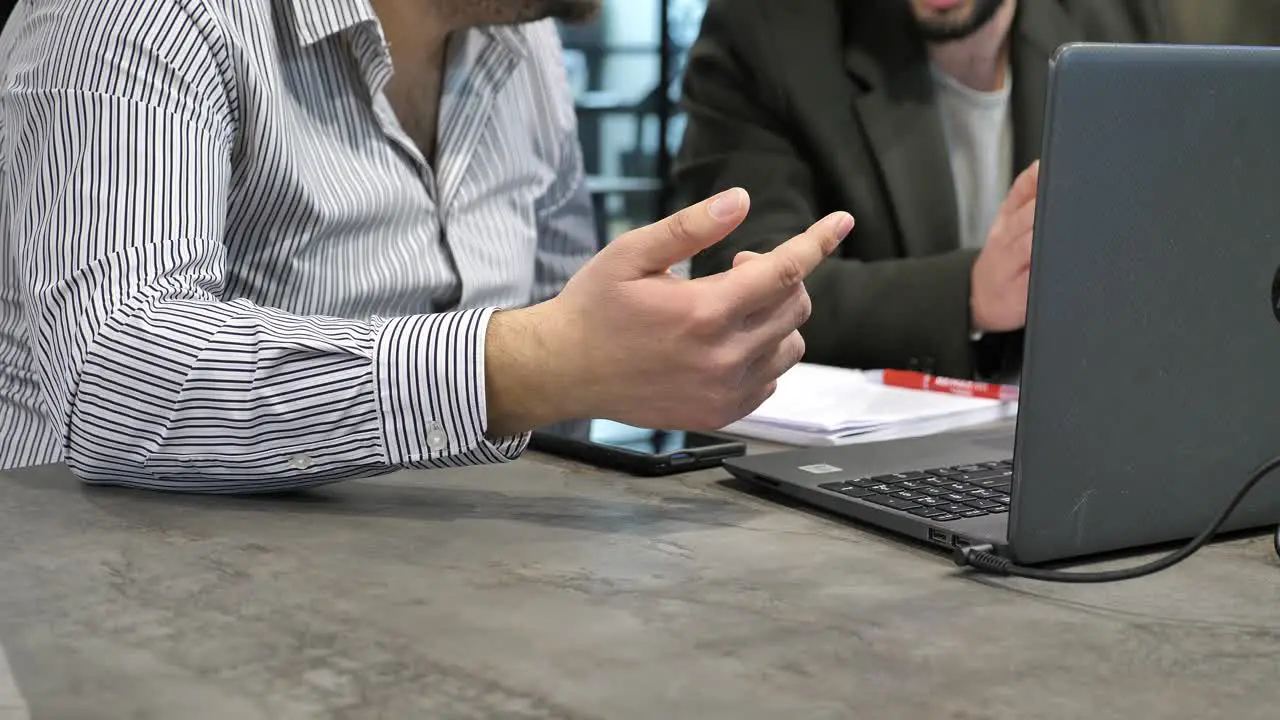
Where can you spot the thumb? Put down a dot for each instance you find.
(655, 248)
(1023, 190)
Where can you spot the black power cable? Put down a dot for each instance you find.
(983, 559)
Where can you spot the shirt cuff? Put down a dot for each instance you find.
(429, 371)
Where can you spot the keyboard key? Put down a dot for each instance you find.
(984, 475)
(998, 510)
(856, 492)
(932, 501)
(959, 487)
(927, 512)
(1003, 499)
(936, 481)
(974, 513)
(892, 502)
(983, 504)
(955, 497)
(956, 508)
(911, 485)
(933, 491)
(899, 477)
(907, 495)
(865, 482)
(949, 517)
(968, 468)
(984, 494)
(942, 472)
(992, 482)
(846, 489)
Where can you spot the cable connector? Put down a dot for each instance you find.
(982, 558)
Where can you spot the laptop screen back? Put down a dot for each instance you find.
(1149, 388)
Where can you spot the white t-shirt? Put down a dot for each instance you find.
(979, 131)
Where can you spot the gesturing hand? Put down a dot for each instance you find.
(635, 343)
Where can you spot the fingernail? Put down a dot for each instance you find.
(845, 226)
(726, 205)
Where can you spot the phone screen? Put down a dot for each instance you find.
(647, 441)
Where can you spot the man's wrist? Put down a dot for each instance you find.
(976, 331)
(527, 374)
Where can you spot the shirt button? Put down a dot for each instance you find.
(300, 462)
(436, 437)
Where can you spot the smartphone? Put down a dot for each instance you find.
(638, 451)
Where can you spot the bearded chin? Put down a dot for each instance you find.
(941, 32)
(572, 11)
(517, 12)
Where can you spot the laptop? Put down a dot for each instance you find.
(1151, 372)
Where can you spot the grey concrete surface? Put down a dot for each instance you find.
(12, 704)
(548, 590)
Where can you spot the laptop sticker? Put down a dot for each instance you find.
(820, 469)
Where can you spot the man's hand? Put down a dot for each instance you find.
(630, 341)
(998, 295)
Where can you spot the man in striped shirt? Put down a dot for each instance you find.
(252, 245)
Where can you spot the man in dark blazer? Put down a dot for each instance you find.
(915, 115)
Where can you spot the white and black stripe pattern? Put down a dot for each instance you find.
(227, 269)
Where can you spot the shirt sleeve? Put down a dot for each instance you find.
(119, 134)
(566, 223)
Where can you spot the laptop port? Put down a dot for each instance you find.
(937, 536)
(957, 541)
(764, 480)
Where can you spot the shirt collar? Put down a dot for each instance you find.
(316, 20)
(510, 37)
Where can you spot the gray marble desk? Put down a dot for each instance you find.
(546, 590)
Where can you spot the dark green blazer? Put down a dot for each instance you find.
(815, 106)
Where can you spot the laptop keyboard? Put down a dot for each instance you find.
(941, 495)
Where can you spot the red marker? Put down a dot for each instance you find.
(952, 386)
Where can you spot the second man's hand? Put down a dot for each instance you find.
(630, 341)
(998, 295)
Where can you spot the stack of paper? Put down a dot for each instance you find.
(819, 405)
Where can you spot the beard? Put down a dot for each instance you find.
(513, 12)
(946, 29)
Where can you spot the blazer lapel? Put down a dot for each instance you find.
(1039, 29)
(905, 137)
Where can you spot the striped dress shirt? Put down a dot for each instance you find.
(226, 267)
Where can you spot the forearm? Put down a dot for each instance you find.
(202, 396)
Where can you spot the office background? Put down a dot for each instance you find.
(625, 71)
